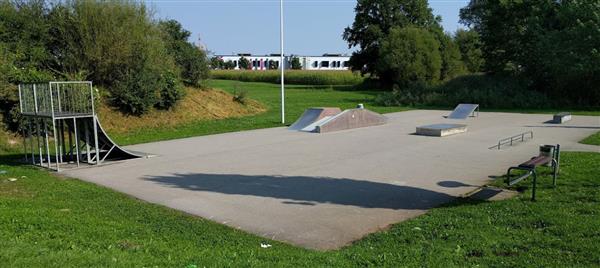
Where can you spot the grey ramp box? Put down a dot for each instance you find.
(560, 118)
(441, 130)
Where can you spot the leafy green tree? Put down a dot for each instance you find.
(452, 65)
(470, 49)
(554, 44)
(273, 65)
(24, 31)
(216, 63)
(295, 64)
(228, 65)
(410, 56)
(191, 59)
(244, 63)
(372, 23)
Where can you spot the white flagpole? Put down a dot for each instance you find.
(282, 63)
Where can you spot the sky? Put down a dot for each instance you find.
(312, 27)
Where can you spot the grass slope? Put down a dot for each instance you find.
(197, 105)
(298, 98)
(49, 221)
(592, 140)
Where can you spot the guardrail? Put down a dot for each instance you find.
(511, 140)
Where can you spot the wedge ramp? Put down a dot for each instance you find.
(464, 110)
(306, 122)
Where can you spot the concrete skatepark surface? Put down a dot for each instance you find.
(325, 191)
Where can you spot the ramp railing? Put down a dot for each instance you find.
(54, 99)
(510, 140)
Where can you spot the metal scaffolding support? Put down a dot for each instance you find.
(53, 109)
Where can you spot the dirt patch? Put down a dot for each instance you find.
(197, 105)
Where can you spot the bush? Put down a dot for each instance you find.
(486, 90)
(239, 95)
(295, 64)
(552, 43)
(244, 63)
(117, 44)
(189, 58)
(410, 55)
(171, 92)
(296, 77)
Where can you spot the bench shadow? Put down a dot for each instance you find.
(301, 190)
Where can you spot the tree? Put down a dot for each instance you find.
(452, 66)
(216, 63)
(295, 64)
(190, 59)
(228, 65)
(552, 43)
(410, 56)
(244, 63)
(373, 21)
(470, 49)
(273, 65)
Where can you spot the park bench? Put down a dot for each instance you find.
(530, 165)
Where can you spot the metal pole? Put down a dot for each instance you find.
(38, 134)
(55, 143)
(25, 145)
(70, 151)
(87, 139)
(35, 99)
(76, 140)
(31, 141)
(61, 145)
(282, 65)
(58, 97)
(92, 99)
(96, 141)
(20, 99)
(47, 143)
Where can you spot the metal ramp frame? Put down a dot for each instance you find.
(62, 128)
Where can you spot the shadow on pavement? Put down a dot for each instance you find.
(300, 190)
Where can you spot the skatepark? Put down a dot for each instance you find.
(323, 191)
(330, 178)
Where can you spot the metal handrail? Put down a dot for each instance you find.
(511, 140)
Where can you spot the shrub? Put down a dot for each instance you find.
(410, 55)
(244, 63)
(239, 95)
(229, 65)
(190, 59)
(117, 44)
(297, 77)
(470, 49)
(171, 92)
(489, 91)
(295, 64)
(216, 63)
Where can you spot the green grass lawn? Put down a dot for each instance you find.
(50, 221)
(592, 140)
(298, 98)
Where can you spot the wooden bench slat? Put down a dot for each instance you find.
(537, 161)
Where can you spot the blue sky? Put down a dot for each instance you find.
(312, 27)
